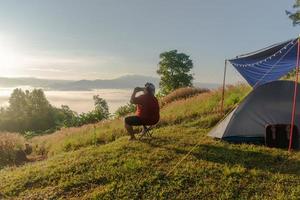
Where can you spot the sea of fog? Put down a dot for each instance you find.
(79, 101)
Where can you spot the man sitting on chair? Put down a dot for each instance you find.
(147, 112)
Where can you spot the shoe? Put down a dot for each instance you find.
(132, 139)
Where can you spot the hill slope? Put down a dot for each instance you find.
(118, 169)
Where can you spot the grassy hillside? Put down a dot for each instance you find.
(98, 162)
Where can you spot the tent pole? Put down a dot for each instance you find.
(295, 96)
(223, 89)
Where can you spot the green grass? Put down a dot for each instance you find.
(120, 169)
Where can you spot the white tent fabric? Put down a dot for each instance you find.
(270, 103)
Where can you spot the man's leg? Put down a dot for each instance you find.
(130, 131)
(129, 122)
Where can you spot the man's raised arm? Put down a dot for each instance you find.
(133, 98)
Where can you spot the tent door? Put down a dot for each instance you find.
(278, 135)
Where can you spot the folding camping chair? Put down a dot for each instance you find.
(147, 131)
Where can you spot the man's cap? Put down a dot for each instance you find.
(150, 87)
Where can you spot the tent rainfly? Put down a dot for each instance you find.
(271, 101)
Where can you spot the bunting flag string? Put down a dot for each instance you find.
(268, 64)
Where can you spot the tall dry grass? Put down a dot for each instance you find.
(203, 104)
(182, 93)
(12, 146)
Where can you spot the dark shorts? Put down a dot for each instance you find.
(133, 121)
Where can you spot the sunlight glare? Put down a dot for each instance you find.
(9, 57)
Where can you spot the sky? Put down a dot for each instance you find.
(105, 39)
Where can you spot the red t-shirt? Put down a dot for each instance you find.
(147, 109)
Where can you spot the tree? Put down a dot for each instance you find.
(16, 116)
(174, 69)
(101, 108)
(295, 15)
(41, 112)
(27, 111)
(65, 117)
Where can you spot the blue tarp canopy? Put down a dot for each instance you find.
(268, 64)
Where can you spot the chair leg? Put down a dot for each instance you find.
(146, 132)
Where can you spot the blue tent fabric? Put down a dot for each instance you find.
(268, 64)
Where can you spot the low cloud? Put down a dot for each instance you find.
(47, 70)
(69, 67)
(68, 61)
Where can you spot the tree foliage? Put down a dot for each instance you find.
(99, 113)
(295, 15)
(101, 107)
(125, 110)
(31, 113)
(174, 69)
(27, 111)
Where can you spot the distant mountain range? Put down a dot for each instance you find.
(123, 82)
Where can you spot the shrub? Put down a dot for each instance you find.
(125, 110)
(12, 147)
(182, 93)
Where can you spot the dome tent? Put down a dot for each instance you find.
(260, 69)
(270, 103)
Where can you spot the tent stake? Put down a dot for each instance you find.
(295, 97)
(223, 89)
